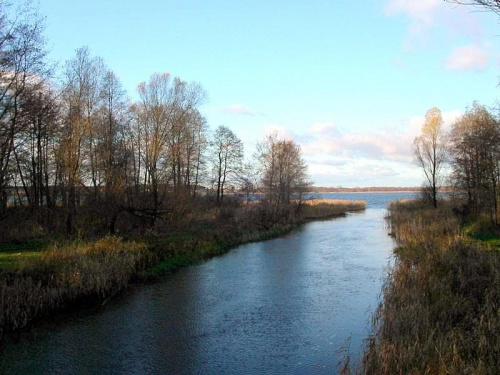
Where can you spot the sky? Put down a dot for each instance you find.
(349, 81)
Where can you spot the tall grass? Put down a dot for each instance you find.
(440, 310)
(67, 273)
(324, 208)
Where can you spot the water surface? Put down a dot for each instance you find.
(283, 306)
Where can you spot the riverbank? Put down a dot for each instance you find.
(439, 312)
(46, 277)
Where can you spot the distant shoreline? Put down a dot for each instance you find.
(363, 191)
(374, 189)
(371, 190)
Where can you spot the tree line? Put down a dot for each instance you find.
(79, 150)
(469, 154)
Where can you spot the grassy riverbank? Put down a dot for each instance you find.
(440, 310)
(41, 276)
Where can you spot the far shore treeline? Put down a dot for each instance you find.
(79, 157)
(372, 189)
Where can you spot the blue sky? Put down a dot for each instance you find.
(349, 81)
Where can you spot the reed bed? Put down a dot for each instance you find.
(65, 274)
(440, 308)
(324, 208)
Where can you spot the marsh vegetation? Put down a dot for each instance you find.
(41, 276)
(439, 309)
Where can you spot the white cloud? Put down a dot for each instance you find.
(380, 157)
(325, 128)
(329, 162)
(239, 109)
(381, 144)
(282, 132)
(422, 11)
(450, 117)
(471, 57)
(423, 15)
(364, 173)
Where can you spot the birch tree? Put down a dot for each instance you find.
(430, 150)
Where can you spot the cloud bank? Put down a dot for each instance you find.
(382, 156)
(468, 58)
(421, 12)
(382, 144)
(424, 15)
(238, 109)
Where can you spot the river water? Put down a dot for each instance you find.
(284, 306)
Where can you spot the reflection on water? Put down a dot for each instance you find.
(283, 306)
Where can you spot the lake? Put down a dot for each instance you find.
(283, 306)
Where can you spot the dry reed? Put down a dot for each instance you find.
(440, 311)
(324, 208)
(66, 274)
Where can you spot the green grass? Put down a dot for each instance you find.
(10, 260)
(490, 240)
(176, 238)
(32, 245)
(14, 254)
(483, 232)
(168, 266)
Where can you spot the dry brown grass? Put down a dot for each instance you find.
(65, 274)
(440, 311)
(324, 208)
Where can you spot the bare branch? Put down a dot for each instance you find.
(487, 5)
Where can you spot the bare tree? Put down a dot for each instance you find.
(22, 64)
(111, 121)
(167, 126)
(34, 154)
(284, 172)
(227, 158)
(183, 127)
(194, 149)
(111, 156)
(430, 150)
(475, 158)
(248, 179)
(78, 142)
(153, 115)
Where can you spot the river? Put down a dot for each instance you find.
(284, 306)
